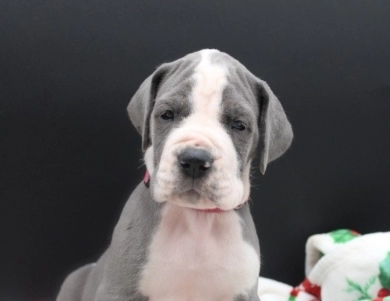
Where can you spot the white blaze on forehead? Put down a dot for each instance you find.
(210, 80)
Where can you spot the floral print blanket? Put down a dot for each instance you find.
(340, 266)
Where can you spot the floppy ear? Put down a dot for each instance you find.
(275, 130)
(141, 105)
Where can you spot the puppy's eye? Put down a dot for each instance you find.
(168, 115)
(238, 125)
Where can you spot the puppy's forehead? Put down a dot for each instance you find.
(203, 77)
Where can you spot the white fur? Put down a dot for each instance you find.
(198, 256)
(148, 159)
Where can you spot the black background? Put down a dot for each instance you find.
(70, 156)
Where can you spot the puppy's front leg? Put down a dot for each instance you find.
(104, 294)
(250, 296)
(254, 297)
(118, 282)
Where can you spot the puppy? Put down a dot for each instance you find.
(186, 233)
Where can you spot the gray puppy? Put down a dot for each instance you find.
(188, 234)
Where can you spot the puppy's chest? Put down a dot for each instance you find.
(198, 256)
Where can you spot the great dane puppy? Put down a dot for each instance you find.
(190, 236)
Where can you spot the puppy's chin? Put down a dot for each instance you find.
(192, 199)
(191, 196)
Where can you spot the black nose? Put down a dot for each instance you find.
(195, 162)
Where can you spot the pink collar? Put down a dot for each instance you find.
(215, 210)
(147, 179)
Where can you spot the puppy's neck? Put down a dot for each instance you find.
(198, 223)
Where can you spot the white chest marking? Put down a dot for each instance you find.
(197, 256)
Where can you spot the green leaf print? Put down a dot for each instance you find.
(370, 282)
(343, 235)
(384, 272)
(353, 286)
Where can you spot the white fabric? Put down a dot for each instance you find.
(340, 266)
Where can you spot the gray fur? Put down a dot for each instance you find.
(117, 273)
(249, 234)
(169, 82)
(275, 129)
(115, 276)
(175, 95)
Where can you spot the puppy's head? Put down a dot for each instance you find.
(201, 119)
